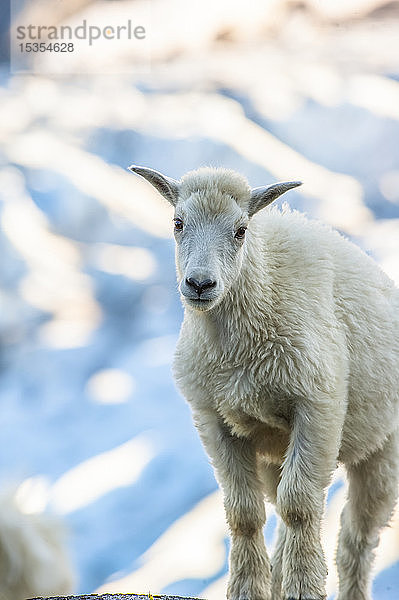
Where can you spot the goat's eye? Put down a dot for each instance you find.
(240, 233)
(178, 224)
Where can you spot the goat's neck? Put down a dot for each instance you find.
(244, 314)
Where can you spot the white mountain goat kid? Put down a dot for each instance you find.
(289, 358)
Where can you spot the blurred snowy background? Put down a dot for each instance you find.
(91, 425)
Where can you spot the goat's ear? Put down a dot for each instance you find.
(262, 196)
(168, 187)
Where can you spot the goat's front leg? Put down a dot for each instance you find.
(234, 461)
(306, 472)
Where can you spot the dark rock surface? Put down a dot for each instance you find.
(116, 597)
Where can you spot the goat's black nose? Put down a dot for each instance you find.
(200, 286)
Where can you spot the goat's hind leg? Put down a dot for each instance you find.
(373, 489)
(269, 475)
(277, 562)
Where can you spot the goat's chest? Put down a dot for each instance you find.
(249, 393)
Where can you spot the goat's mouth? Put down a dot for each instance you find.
(199, 303)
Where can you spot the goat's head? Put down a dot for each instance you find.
(213, 208)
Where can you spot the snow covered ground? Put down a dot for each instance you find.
(91, 425)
